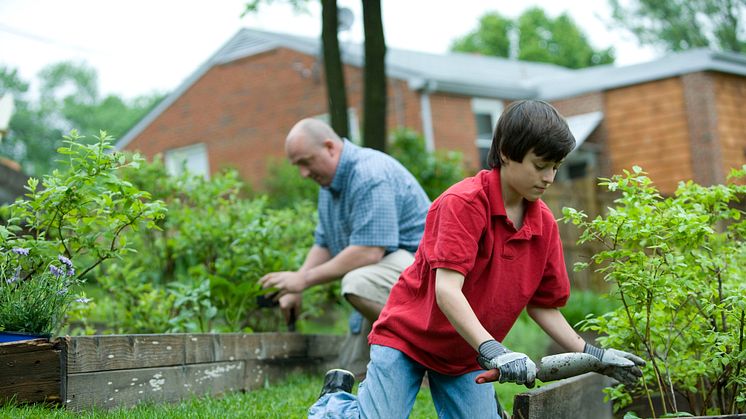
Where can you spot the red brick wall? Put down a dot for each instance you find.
(243, 110)
(454, 126)
(647, 126)
(730, 92)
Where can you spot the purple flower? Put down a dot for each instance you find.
(83, 300)
(63, 291)
(71, 272)
(56, 271)
(20, 251)
(66, 261)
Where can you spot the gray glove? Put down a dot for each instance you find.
(514, 367)
(619, 365)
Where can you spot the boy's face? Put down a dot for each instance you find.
(529, 178)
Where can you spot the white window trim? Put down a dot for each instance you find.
(194, 157)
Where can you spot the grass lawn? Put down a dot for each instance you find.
(289, 399)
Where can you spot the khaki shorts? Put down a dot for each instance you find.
(374, 282)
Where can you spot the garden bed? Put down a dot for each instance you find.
(123, 370)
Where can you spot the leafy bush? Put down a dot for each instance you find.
(199, 272)
(285, 186)
(435, 172)
(678, 264)
(82, 211)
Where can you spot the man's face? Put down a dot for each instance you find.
(531, 177)
(314, 161)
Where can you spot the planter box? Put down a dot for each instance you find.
(123, 370)
(571, 398)
(32, 371)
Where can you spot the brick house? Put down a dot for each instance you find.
(678, 117)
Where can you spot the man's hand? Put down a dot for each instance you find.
(619, 365)
(290, 306)
(513, 367)
(285, 282)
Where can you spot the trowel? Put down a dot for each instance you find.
(556, 367)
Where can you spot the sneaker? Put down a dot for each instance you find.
(337, 380)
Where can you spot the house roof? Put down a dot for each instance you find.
(466, 74)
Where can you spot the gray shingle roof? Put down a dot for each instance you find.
(467, 74)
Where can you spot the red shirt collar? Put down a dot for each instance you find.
(531, 220)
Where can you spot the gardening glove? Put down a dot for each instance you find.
(619, 365)
(514, 367)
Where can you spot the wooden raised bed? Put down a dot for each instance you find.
(123, 370)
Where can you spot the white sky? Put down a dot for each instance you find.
(138, 46)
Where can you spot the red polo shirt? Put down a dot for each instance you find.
(467, 230)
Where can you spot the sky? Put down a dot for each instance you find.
(141, 46)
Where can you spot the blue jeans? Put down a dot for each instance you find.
(391, 386)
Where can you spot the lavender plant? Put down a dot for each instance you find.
(35, 294)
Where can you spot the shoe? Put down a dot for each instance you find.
(337, 380)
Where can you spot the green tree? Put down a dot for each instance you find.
(68, 99)
(679, 25)
(539, 38)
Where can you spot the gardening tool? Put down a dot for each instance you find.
(556, 367)
(269, 301)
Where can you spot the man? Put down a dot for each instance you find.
(371, 218)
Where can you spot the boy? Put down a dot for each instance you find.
(490, 249)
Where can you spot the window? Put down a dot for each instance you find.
(192, 159)
(486, 112)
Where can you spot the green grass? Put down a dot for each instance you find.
(289, 399)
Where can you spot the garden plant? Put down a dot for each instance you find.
(678, 267)
(68, 224)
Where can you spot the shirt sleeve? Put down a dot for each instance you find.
(374, 217)
(452, 232)
(318, 236)
(554, 289)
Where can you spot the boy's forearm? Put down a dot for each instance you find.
(556, 326)
(456, 308)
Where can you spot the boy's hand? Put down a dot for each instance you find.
(514, 367)
(619, 365)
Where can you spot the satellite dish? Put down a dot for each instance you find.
(344, 19)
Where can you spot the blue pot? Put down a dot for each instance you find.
(19, 336)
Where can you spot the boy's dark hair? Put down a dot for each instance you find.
(530, 125)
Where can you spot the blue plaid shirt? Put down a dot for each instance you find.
(372, 201)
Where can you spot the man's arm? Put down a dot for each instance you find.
(319, 268)
(501, 363)
(453, 304)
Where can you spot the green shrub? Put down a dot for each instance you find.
(435, 172)
(81, 213)
(678, 266)
(285, 186)
(199, 272)
(584, 303)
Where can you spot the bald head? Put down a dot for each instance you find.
(315, 148)
(312, 131)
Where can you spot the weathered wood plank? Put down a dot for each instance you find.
(107, 389)
(30, 377)
(25, 346)
(115, 352)
(571, 398)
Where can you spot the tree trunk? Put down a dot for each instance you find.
(334, 75)
(374, 102)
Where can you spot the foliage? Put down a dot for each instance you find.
(678, 265)
(539, 38)
(679, 25)
(33, 299)
(585, 303)
(199, 272)
(434, 171)
(285, 187)
(82, 211)
(68, 98)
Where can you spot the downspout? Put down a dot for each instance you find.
(425, 87)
